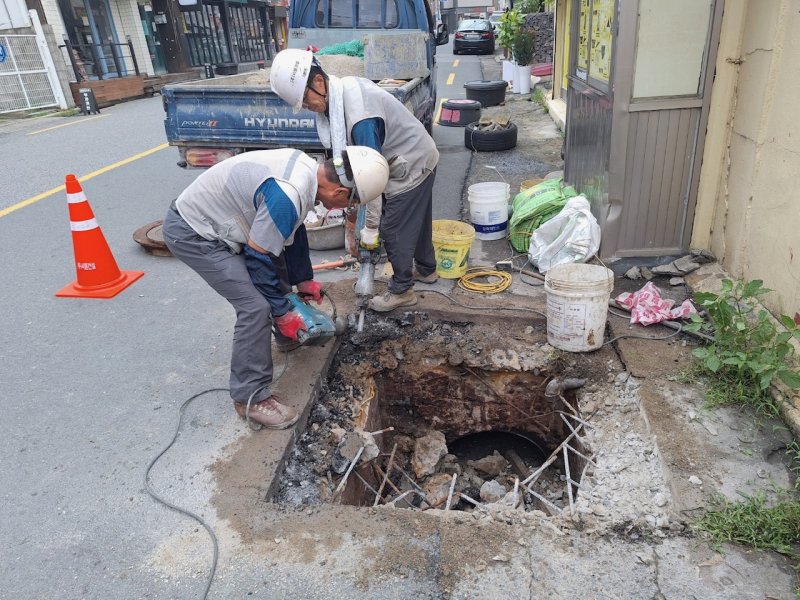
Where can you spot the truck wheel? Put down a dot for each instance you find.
(490, 141)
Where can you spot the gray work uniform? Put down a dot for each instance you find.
(208, 225)
(406, 222)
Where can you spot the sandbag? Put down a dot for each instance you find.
(534, 206)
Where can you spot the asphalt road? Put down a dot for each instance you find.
(91, 388)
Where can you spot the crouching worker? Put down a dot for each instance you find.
(239, 225)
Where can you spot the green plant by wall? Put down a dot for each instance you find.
(793, 453)
(510, 23)
(540, 99)
(748, 352)
(522, 48)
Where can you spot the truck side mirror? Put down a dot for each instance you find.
(442, 35)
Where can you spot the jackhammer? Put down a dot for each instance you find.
(367, 258)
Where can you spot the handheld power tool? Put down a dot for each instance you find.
(365, 286)
(320, 326)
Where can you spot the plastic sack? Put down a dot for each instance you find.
(571, 236)
(533, 207)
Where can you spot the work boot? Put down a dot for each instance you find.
(269, 413)
(283, 343)
(431, 277)
(390, 301)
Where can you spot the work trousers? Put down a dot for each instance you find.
(215, 262)
(406, 225)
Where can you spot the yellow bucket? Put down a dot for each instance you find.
(451, 242)
(529, 183)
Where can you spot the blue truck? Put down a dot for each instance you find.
(211, 119)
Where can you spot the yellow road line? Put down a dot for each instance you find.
(451, 78)
(92, 175)
(455, 63)
(435, 117)
(66, 124)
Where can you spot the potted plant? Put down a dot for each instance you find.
(522, 48)
(510, 22)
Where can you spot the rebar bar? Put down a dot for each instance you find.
(532, 477)
(347, 474)
(364, 481)
(450, 494)
(386, 476)
(569, 479)
(544, 500)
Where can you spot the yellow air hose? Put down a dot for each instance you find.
(496, 281)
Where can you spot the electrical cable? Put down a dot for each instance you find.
(467, 281)
(161, 500)
(153, 494)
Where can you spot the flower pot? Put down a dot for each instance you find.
(509, 69)
(524, 79)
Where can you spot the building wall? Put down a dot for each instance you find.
(748, 204)
(128, 23)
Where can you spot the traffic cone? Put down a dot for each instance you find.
(98, 273)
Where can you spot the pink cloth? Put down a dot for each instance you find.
(648, 307)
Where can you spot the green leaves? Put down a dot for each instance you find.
(748, 351)
(790, 378)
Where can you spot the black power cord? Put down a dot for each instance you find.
(183, 511)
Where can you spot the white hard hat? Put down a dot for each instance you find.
(288, 75)
(370, 172)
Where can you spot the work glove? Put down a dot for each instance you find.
(310, 288)
(289, 324)
(369, 238)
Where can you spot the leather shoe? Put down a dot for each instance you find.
(269, 413)
(431, 277)
(389, 301)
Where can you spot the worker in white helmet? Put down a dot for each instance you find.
(353, 110)
(239, 225)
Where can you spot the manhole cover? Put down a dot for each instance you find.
(150, 237)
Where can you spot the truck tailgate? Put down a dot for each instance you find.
(231, 114)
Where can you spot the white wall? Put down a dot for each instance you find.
(13, 14)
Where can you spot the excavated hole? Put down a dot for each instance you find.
(483, 395)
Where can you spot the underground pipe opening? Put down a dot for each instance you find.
(425, 414)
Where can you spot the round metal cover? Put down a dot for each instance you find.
(150, 237)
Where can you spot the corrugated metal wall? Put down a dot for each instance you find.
(657, 186)
(587, 142)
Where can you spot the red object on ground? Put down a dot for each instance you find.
(97, 271)
(797, 318)
(542, 69)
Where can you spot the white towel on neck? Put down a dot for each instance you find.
(331, 129)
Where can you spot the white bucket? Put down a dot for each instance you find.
(488, 209)
(577, 306)
(524, 78)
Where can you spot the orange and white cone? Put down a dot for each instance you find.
(98, 273)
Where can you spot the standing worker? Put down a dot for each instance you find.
(239, 225)
(353, 110)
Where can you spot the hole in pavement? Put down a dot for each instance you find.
(419, 413)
